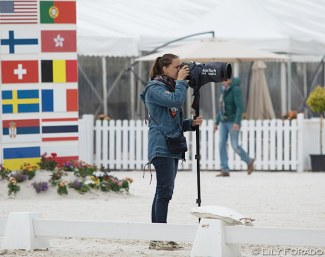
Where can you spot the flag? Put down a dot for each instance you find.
(19, 71)
(58, 11)
(59, 41)
(59, 100)
(59, 129)
(20, 101)
(19, 41)
(18, 131)
(66, 151)
(14, 157)
(18, 12)
(59, 71)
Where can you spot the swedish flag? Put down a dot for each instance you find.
(20, 101)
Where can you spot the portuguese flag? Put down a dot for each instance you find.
(58, 12)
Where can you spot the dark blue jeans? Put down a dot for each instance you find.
(166, 169)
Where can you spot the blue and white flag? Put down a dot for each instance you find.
(19, 41)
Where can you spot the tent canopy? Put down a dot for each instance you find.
(118, 28)
(125, 28)
(213, 50)
(250, 23)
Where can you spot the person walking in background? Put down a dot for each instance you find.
(228, 122)
(164, 97)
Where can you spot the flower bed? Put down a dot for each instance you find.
(85, 177)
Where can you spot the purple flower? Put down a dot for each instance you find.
(76, 184)
(19, 177)
(40, 186)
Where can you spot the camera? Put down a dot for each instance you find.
(202, 73)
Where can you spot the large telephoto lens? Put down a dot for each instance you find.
(227, 71)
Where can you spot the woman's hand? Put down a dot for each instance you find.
(197, 122)
(183, 73)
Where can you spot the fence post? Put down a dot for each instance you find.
(86, 138)
(210, 241)
(25, 239)
(300, 145)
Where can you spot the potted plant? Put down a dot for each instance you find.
(316, 102)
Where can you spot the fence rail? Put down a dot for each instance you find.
(211, 237)
(122, 144)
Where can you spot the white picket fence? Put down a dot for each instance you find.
(122, 144)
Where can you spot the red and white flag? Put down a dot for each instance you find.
(59, 41)
(19, 71)
(65, 150)
(19, 12)
(59, 129)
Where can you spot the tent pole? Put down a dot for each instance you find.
(213, 100)
(323, 77)
(132, 92)
(289, 84)
(236, 69)
(304, 67)
(283, 88)
(179, 39)
(139, 106)
(104, 74)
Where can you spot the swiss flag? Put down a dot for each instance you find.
(19, 71)
(59, 41)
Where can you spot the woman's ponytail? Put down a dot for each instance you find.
(160, 62)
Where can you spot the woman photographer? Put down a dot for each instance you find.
(164, 97)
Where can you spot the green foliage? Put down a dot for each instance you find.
(4, 172)
(80, 168)
(316, 100)
(79, 186)
(13, 186)
(56, 176)
(111, 183)
(62, 188)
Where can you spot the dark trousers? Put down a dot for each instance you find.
(166, 169)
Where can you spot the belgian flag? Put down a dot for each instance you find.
(59, 71)
(58, 12)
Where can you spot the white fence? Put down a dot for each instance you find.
(122, 145)
(211, 237)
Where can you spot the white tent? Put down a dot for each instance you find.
(248, 22)
(124, 28)
(120, 28)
